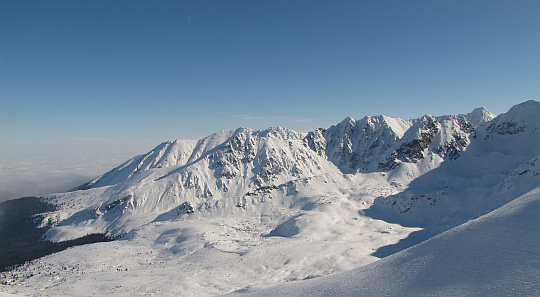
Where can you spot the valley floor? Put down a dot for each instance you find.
(200, 258)
(201, 255)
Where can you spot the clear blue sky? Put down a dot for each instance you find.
(111, 76)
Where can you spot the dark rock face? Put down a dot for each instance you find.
(411, 151)
(506, 128)
(452, 149)
(185, 208)
(353, 145)
(316, 141)
(116, 202)
(376, 143)
(521, 118)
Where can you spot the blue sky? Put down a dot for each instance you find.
(118, 77)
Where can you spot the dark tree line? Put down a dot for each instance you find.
(20, 239)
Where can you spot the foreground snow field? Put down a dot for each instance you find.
(243, 210)
(497, 254)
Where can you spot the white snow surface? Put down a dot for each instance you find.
(496, 254)
(242, 210)
(287, 237)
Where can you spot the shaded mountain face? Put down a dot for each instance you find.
(358, 145)
(489, 167)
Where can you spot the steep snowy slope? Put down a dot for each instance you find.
(224, 171)
(167, 154)
(488, 173)
(494, 255)
(382, 143)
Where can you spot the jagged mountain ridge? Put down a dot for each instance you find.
(498, 163)
(352, 145)
(224, 169)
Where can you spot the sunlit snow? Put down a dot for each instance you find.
(244, 210)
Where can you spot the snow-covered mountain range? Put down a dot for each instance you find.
(242, 210)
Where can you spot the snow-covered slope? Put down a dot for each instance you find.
(243, 209)
(494, 255)
(225, 169)
(489, 172)
(382, 143)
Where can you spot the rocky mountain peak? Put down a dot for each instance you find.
(479, 116)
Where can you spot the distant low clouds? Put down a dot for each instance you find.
(18, 186)
(35, 176)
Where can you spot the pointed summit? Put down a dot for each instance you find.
(347, 121)
(479, 116)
